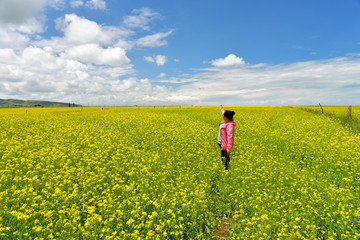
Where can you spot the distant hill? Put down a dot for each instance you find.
(33, 103)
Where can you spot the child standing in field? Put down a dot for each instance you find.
(226, 135)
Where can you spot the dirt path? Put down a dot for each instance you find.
(223, 231)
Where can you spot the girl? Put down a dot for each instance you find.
(226, 135)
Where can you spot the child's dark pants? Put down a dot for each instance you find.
(225, 158)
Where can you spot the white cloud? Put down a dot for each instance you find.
(141, 19)
(76, 3)
(30, 26)
(96, 4)
(39, 73)
(332, 81)
(86, 63)
(7, 55)
(230, 61)
(149, 59)
(12, 39)
(57, 4)
(161, 75)
(154, 40)
(182, 98)
(92, 53)
(79, 30)
(124, 44)
(179, 80)
(160, 60)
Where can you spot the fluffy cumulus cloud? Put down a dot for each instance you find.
(230, 61)
(78, 30)
(92, 53)
(39, 73)
(86, 62)
(161, 60)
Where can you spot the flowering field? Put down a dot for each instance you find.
(340, 113)
(156, 173)
(338, 110)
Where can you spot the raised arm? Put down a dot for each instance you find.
(222, 110)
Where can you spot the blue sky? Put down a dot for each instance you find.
(123, 52)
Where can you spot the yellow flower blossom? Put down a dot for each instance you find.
(156, 173)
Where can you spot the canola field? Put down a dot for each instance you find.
(156, 173)
(338, 110)
(349, 119)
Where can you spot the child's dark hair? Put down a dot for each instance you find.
(229, 114)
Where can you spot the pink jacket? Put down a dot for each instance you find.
(227, 134)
